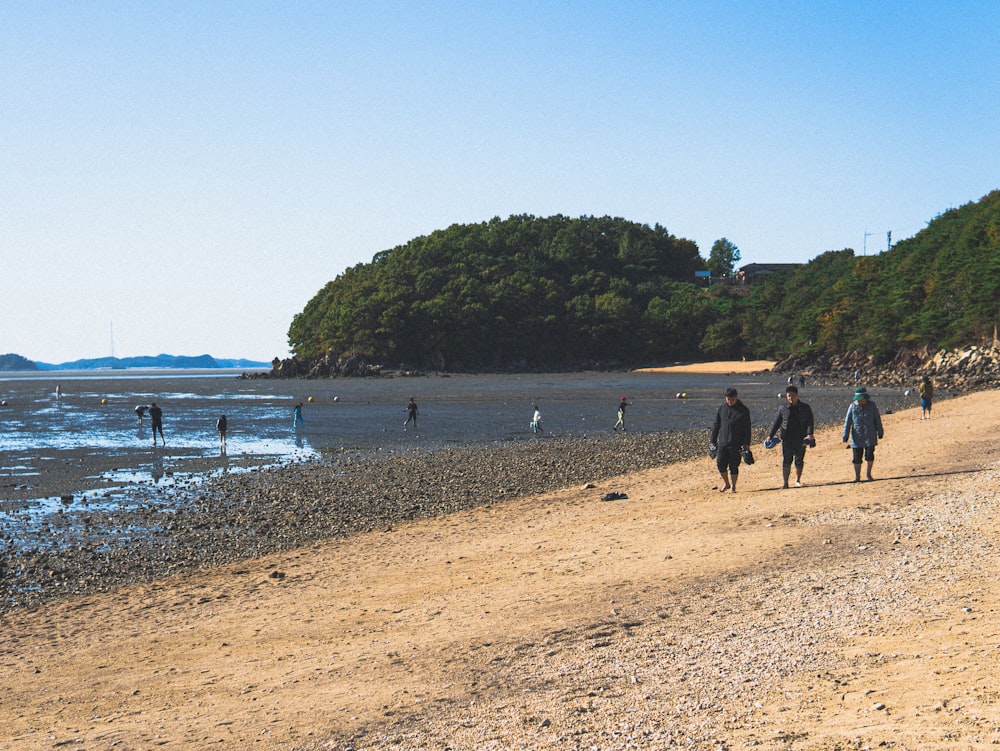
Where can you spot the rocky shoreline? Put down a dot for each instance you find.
(243, 516)
(967, 369)
(963, 369)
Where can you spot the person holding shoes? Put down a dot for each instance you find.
(795, 420)
(730, 437)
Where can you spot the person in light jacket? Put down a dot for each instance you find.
(863, 427)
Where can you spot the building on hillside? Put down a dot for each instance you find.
(745, 274)
(757, 270)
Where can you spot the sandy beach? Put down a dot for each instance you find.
(720, 367)
(833, 616)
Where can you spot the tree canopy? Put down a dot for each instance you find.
(938, 289)
(529, 292)
(537, 291)
(723, 257)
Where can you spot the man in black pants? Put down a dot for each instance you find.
(730, 436)
(156, 417)
(795, 418)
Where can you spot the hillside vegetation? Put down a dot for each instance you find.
(938, 289)
(521, 290)
(530, 292)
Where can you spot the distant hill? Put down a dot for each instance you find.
(15, 362)
(526, 293)
(175, 362)
(523, 292)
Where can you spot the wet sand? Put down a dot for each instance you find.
(211, 510)
(193, 524)
(838, 615)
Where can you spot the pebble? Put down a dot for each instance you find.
(246, 515)
(721, 671)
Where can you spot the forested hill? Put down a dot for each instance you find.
(556, 292)
(520, 291)
(938, 289)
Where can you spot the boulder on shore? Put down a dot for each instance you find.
(967, 368)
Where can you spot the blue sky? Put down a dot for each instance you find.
(190, 174)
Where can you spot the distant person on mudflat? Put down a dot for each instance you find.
(58, 391)
(795, 420)
(926, 397)
(156, 418)
(297, 420)
(730, 436)
(221, 425)
(622, 404)
(140, 410)
(536, 420)
(411, 414)
(863, 426)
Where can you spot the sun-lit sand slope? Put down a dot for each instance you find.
(838, 615)
(719, 367)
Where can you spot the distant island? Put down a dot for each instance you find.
(12, 362)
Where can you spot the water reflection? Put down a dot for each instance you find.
(157, 469)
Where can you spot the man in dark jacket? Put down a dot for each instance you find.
(795, 419)
(730, 436)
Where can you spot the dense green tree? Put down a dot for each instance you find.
(527, 290)
(723, 257)
(561, 291)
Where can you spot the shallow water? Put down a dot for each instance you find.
(91, 433)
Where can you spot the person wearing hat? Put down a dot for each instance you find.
(730, 437)
(863, 426)
(795, 419)
(622, 404)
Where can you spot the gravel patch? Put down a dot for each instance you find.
(241, 516)
(719, 665)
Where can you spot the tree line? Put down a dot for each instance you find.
(559, 292)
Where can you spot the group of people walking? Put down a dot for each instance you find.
(792, 427)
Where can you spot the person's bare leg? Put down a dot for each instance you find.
(869, 470)
(725, 481)
(786, 470)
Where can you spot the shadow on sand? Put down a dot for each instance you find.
(805, 486)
